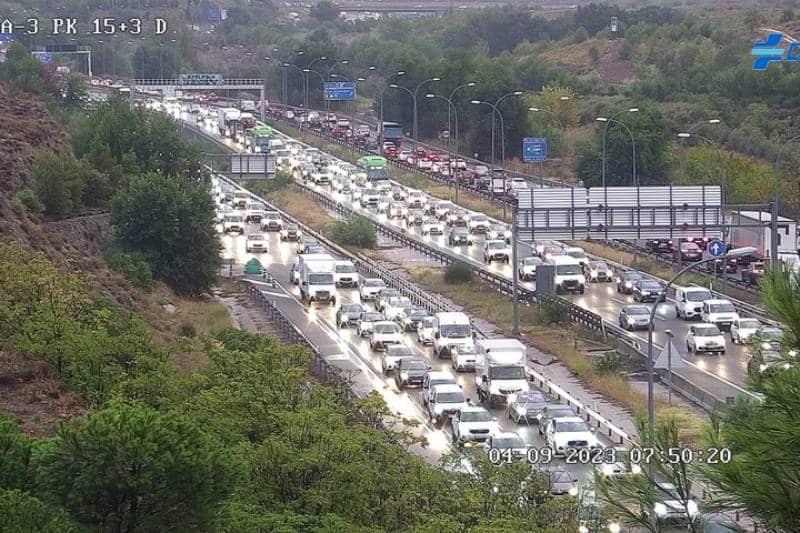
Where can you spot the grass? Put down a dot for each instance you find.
(561, 342)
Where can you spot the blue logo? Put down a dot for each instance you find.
(769, 50)
(716, 248)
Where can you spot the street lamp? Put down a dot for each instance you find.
(494, 110)
(398, 73)
(736, 252)
(633, 146)
(413, 99)
(502, 127)
(452, 94)
(414, 132)
(308, 67)
(302, 78)
(605, 130)
(560, 124)
(455, 114)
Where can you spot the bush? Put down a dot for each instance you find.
(187, 329)
(357, 231)
(29, 199)
(551, 312)
(131, 265)
(58, 183)
(457, 273)
(610, 363)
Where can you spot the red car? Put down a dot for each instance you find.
(420, 152)
(390, 153)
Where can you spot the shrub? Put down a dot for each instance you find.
(29, 199)
(187, 329)
(551, 312)
(610, 363)
(457, 273)
(132, 266)
(357, 231)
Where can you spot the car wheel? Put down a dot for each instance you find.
(688, 347)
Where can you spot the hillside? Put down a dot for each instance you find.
(609, 66)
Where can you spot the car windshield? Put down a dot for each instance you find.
(498, 228)
(507, 372)
(528, 399)
(351, 308)
(721, 308)
(749, 323)
(689, 247)
(460, 232)
(442, 381)
(698, 296)
(418, 313)
(455, 331)
(291, 227)
(255, 237)
(651, 286)
(532, 261)
(428, 322)
(707, 331)
(345, 269)
(479, 218)
(372, 317)
(508, 442)
(374, 283)
(558, 412)
(568, 269)
(320, 279)
(465, 350)
(476, 416)
(598, 265)
(577, 254)
(497, 245)
(771, 334)
(571, 427)
(450, 397)
(631, 276)
(386, 328)
(415, 365)
(637, 310)
(233, 219)
(561, 477)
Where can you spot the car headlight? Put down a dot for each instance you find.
(628, 284)
(792, 353)
(691, 507)
(636, 469)
(404, 375)
(593, 273)
(512, 398)
(573, 491)
(762, 367)
(786, 366)
(520, 410)
(660, 509)
(765, 345)
(607, 469)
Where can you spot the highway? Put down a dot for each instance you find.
(727, 372)
(345, 345)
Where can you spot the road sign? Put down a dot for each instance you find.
(44, 57)
(534, 149)
(716, 248)
(339, 91)
(669, 358)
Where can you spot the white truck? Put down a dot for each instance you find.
(227, 119)
(452, 330)
(500, 370)
(316, 282)
(297, 266)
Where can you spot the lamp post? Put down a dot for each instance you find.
(413, 99)
(778, 168)
(307, 69)
(302, 78)
(455, 115)
(450, 98)
(605, 131)
(736, 252)
(380, 126)
(724, 185)
(415, 130)
(633, 146)
(494, 110)
(560, 125)
(502, 127)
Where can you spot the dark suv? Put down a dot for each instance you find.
(410, 371)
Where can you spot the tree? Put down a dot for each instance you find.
(131, 468)
(652, 137)
(24, 71)
(15, 455)
(760, 478)
(324, 11)
(75, 94)
(59, 181)
(170, 220)
(20, 511)
(357, 231)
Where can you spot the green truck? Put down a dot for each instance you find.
(375, 166)
(258, 140)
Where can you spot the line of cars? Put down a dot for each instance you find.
(751, 268)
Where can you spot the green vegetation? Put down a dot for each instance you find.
(357, 231)
(131, 265)
(169, 220)
(457, 273)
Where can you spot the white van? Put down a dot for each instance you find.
(722, 313)
(569, 275)
(689, 301)
(297, 267)
(453, 329)
(344, 274)
(316, 282)
(276, 144)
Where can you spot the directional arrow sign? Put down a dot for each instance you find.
(669, 358)
(716, 248)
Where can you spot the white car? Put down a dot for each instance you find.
(384, 334)
(396, 209)
(671, 507)
(526, 270)
(271, 221)
(443, 208)
(416, 200)
(509, 444)
(496, 250)
(705, 338)
(432, 227)
(233, 223)
(473, 423)
(425, 330)
(721, 313)
(478, 223)
(444, 402)
(290, 232)
(255, 243)
(392, 355)
(433, 379)
(369, 288)
(395, 307)
(498, 232)
(344, 274)
(569, 433)
(743, 329)
(367, 321)
(578, 253)
(463, 358)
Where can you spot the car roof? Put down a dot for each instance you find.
(474, 409)
(438, 374)
(447, 387)
(718, 301)
(569, 419)
(506, 435)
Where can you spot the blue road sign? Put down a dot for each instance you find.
(716, 248)
(339, 91)
(44, 57)
(534, 149)
(214, 14)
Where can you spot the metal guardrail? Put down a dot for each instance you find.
(158, 82)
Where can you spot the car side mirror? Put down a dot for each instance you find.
(593, 430)
(436, 335)
(484, 379)
(574, 480)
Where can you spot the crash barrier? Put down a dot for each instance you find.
(502, 284)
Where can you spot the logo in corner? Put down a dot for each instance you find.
(769, 50)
